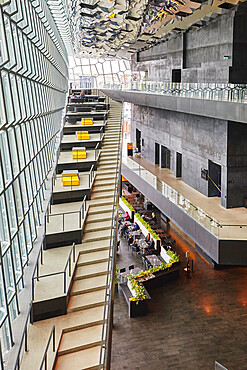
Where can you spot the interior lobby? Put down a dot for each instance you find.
(123, 184)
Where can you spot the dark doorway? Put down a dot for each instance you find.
(165, 157)
(138, 140)
(214, 179)
(157, 154)
(176, 75)
(179, 165)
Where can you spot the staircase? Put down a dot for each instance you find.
(79, 346)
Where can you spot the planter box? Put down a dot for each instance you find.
(125, 208)
(145, 232)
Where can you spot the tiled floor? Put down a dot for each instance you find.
(191, 322)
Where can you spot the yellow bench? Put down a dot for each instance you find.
(86, 121)
(83, 135)
(79, 153)
(70, 178)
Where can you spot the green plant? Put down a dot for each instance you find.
(173, 255)
(117, 276)
(138, 286)
(127, 204)
(147, 226)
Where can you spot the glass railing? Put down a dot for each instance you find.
(221, 231)
(212, 91)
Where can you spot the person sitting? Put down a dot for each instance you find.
(147, 238)
(136, 227)
(154, 219)
(124, 228)
(127, 216)
(135, 247)
(130, 240)
(149, 248)
(151, 244)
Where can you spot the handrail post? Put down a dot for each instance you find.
(54, 339)
(64, 281)
(69, 266)
(26, 339)
(63, 221)
(73, 252)
(32, 289)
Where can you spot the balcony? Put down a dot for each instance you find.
(219, 233)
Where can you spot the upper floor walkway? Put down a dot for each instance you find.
(221, 101)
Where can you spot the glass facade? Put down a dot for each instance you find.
(96, 72)
(33, 87)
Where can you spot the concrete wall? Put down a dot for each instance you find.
(238, 72)
(197, 138)
(236, 164)
(200, 55)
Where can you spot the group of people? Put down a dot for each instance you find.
(81, 95)
(126, 231)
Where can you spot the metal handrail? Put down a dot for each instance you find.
(68, 261)
(24, 337)
(83, 210)
(110, 274)
(44, 359)
(91, 176)
(101, 133)
(96, 153)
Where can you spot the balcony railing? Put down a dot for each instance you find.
(212, 91)
(221, 231)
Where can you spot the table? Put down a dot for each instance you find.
(154, 260)
(136, 234)
(135, 271)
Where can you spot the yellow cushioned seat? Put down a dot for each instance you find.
(79, 153)
(87, 121)
(70, 180)
(83, 135)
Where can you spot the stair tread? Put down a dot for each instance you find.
(105, 216)
(88, 357)
(80, 337)
(101, 234)
(89, 283)
(94, 226)
(83, 271)
(86, 299)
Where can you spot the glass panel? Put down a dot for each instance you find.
(28, 234)
(3, 46)
(24, 192)
(11, 210)
(8, 274)
(16, 258)
(3, 310)
(7, 96)
(4, 231)
(22, 242)
(18, 201)
(15, 97)
(19, 147)
(5, 157)
(13, 151)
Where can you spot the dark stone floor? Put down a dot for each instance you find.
(191, 322)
